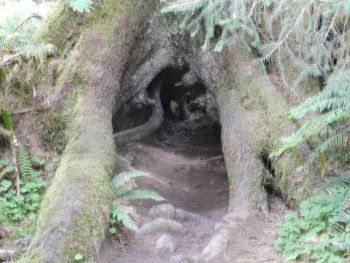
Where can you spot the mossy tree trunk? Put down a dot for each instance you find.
(252, 119)
(75, 210)
(116, 52)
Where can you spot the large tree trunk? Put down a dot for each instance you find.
(75, 210)
(102, 56)
(252, 119)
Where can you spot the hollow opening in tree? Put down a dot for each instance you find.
(170, 129)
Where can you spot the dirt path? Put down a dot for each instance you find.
(195, 181)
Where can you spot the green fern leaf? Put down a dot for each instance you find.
(24, 162)
(81, 6)
(122, 213)
(142, 194)
(126, 177)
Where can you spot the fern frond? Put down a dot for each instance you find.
(24, 162)
(344, 214)
(81, 5)
(311, 128)
(334, 186)
(126, 177)
(123, 214)
(142, 194)
(124, 189)
(331, 126)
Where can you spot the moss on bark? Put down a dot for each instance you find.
(75, 210)
(251, 114)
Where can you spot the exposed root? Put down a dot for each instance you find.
(140, 132)
(166, 211)
(165, 244)
(6, 255)
(158, 226)
(217, 245)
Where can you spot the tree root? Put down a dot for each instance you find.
(160, 225)
(6, 255)
(4, 233)
(140, 132)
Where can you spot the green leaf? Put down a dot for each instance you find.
(38, 162)
(5, 185)
(81, 5)
(4, 162)
(113, 230)
(142, 194)
(7, 119)
(78, 257)
(122, 213)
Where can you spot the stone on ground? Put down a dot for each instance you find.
(160, 225)
(165, 244)
(164, 211)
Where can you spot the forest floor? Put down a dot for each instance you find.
(192, 177)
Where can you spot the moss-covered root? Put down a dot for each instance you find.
(251, 115)
(75, 210)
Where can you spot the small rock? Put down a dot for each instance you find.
(218, 244)
(164, 211)
(179, 214)
(160, 225)
(165, 244)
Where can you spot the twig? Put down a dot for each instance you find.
(330, 27)
(9, 58)
(25, 21)
(26, 110)
(265, 260)
(14, 145)
(279, 44)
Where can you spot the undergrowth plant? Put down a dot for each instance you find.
(303, 40)
(18, 22)
(328, 130)
(20, 200)
(125, 190)
(312, 35)
(319, 231)
(81, 5)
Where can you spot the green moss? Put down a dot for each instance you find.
(262, 107)
(60, 27)
(87, 212)
(53, 132)
(75, 211)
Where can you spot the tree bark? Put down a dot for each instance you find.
(252, 119)
(116, 52)
(75, 211)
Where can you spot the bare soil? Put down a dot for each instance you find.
(190, 173)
